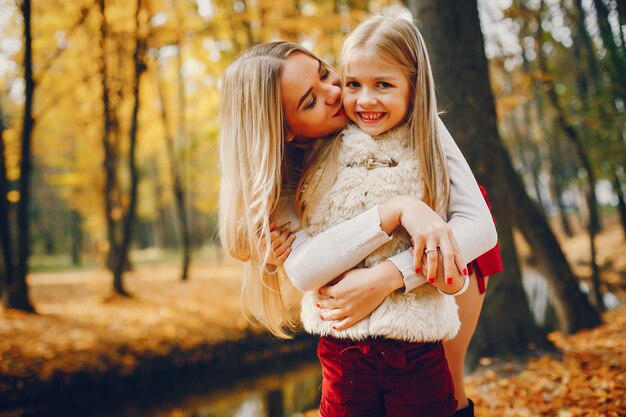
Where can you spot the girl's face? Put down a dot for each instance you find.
(311, 96)
(376, 95)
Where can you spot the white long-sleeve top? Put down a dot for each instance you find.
(315, 261)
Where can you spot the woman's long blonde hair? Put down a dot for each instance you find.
(396, 42)
(253, 161)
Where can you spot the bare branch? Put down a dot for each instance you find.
(59, 51)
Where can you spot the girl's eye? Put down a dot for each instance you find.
(352, 84)
(383, 84)
(311, 103)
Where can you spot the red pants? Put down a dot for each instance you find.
(380, 377)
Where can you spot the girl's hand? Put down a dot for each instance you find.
(356, 293)
(282, 238)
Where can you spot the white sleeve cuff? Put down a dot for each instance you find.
(462, 290)
(404, 262)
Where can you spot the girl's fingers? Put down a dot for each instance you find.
(272, 226)
(418, 254)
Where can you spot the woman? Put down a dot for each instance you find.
(276, 99)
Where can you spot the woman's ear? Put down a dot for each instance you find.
(289, 136)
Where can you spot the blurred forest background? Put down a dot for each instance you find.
(109, 135)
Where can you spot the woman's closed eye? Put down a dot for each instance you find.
(323, 76)
(311, 103)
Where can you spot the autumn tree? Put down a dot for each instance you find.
(120, 206)
(16, 243)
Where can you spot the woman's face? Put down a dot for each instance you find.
(311, 95)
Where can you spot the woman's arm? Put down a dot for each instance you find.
(315, 261)
(469, 217)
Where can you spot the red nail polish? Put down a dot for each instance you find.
(334, 328)
(317, 305)
(418, 270)
(321, 317)
(431, 280)
(449, 280)
(464, 271)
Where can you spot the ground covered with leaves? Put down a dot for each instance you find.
(85, 339)
(589, 379)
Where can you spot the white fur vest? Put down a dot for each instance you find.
(422, 315)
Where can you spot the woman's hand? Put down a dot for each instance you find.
(429, 232)
(448, 284)
(282, 238)
(356, 293)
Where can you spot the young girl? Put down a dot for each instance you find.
(392, 362)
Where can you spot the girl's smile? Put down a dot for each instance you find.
(376, 95)
(370, 117)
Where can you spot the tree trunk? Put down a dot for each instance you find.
(618, 63)
(175, 161)
(110, 160)
(552, 141)
(179, 188)
(76, 238)
(461, 67)
(16, 295)
(556, 170)
(621, 205)
(6, 242)
(582, 37)
(530, 164)
(621, 18)
(573, 136)
(129, 216)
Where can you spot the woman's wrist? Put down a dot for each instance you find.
(392, 210)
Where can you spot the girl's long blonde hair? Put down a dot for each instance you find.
(396, 42)
(253, 161)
